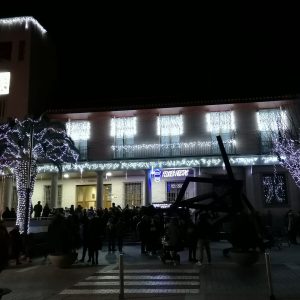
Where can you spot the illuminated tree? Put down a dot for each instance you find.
(25, 144)
(282, 125)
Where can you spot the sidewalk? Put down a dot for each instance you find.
(223, 279)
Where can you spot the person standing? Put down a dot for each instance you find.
(4, 246)
(38, 210)
(16, 244)
(46, 211)
(204, 229)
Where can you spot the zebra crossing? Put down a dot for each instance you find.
(139, 281)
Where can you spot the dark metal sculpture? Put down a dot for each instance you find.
(245, 232)
(232, 200)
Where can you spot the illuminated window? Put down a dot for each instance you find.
(123, 130)
(274, 189)
(170, 128)
(223, 124)
(4, 83)
(170, 125)
(269, 122)
(80, 132)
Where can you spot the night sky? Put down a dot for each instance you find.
(123, 52)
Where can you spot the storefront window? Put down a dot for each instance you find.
(173, 189)
(133, 194)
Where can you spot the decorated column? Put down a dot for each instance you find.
(54, 189)
(148, 188)
(99, 197)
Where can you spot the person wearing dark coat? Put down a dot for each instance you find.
(204, 231)
(38, 209)
(46, 211)
(191, 240)
(6, 214)
(4, 246)
(94, 239)
(16, 244)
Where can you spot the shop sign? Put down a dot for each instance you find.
(175, 173)
(157, 175)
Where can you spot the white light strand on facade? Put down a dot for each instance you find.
(190, 145)
(271, 120)
(170, 125)
(26, 21)
(220, 122)
(4, 83)
(123, 127)
(79, 130)
(274, 189)
(167, 163)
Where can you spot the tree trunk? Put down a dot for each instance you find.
(21, 172)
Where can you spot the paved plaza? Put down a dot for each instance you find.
(146, 277)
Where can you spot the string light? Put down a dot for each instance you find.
(26, 21)
(220, 122)
(158, 147)
(161, 163)
(50, 142)
(170, 125)
(123, 127)
(285, 146)
(271, 120)
(79, 130)
(274, 188)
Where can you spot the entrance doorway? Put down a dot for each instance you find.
(86, 196)
(107, 195)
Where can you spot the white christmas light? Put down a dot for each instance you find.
(79, 130)
(170, 125)
(4, 83)
(271, 120)
(274, 188)
(26, 21)
(123, 127)
(190, 145)
(161, 163)
(32, 141)
(220, 122)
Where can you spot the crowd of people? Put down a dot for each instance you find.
(91, 229)
(105, 229)
(37, 211)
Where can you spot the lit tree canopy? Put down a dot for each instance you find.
(283, 128)
(24, 144)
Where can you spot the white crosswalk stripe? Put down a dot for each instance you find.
(139, 281)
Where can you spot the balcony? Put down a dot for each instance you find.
(198, 148)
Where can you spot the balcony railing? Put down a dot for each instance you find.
(199, 148)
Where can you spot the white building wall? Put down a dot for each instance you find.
(38, 191)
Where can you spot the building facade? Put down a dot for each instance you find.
(140, 155)
(27, 68)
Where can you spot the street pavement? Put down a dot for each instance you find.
(146, 277)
